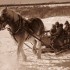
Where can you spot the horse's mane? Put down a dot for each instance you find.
(12, 14)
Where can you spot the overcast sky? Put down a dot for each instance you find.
(29, 1)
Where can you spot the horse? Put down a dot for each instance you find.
(22, 30)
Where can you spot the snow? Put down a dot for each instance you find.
(51, 20)
(8, 49)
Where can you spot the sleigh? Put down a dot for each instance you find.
(61, 44)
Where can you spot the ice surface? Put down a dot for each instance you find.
(8, 57)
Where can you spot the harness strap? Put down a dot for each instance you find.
(35, 36)
(30, 32)
(19, 25)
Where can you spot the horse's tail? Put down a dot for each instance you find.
(42, 30)
(37, 25)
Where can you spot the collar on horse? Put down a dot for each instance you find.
(19, 23)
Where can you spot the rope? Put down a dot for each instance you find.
(28, 45)
(35, 36)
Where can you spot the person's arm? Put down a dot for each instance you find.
(58, 32)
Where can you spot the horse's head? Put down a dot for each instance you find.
(7, 16)
(3, 18)
(2, 24)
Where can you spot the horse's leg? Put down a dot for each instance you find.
(34, 47)
(20, 49)
(39, 49)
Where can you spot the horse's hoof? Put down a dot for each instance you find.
(39, 57)
(35, 52)
(25, 58)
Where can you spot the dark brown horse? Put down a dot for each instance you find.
(22, 30)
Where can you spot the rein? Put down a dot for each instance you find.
(19, 25)
(35, 36)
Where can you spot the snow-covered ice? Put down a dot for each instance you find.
(8, 49)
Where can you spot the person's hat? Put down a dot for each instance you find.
(53, 25)
(67, 23)
(57, 23)
(61, 25)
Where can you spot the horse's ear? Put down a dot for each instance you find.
(5, 8)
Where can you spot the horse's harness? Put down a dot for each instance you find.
(30, 32)
(20, 20)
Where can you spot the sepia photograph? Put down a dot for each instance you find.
(34, 34)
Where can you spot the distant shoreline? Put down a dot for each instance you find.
(59, 3)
